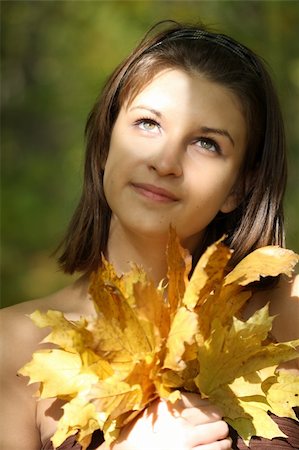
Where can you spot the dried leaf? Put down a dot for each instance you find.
(146, 342)
(179, 265)
(80, 416)
(182, 331)
(282, 393)
(71, 336)
(263, 262)
(207, 275)
(260, 423)
(61, 373)
(231, 372)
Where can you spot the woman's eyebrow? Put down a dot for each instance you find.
(218, 131)
(146, 108)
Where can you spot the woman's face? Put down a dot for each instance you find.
(174, 157)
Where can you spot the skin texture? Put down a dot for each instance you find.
(24, 426)
(174, 157)
(190, 423)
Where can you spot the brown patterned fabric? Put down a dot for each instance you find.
(289, 427)
(72, 444)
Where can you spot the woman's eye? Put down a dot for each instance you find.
(148, 125)
(208, 144)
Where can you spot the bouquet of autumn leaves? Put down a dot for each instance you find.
(146, 342)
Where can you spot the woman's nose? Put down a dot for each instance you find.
(167, 160)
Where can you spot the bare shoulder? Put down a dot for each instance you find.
(284, 304)
(18, 329)
(19, 339)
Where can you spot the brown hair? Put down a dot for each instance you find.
(258, 220)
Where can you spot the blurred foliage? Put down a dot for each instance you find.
(55, 58)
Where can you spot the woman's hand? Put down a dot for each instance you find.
(191, 423)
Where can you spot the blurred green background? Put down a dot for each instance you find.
(55, 57)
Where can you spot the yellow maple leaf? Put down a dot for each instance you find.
(231, 364)
(263, 262)
(71, 336)
(183, 330)
(208, 274)
(257, 423)
(59, 372)
(282, 392)
(146, 342)
(79, 416)
(179, 266)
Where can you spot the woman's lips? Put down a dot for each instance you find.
(154, 192)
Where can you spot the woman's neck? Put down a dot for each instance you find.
(125, 247)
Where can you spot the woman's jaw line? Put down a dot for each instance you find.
(143, 248)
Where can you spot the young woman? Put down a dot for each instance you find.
(188, 132)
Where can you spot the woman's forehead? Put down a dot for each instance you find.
(181, 83)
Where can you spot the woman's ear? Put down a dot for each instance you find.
(235, 197)
(237, 194)
(231, 202)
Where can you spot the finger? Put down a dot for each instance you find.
(224, 444)
(190, 399)
(197, 416)
(195, 410)
(208, 433)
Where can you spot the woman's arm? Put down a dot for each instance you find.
(24, 421)
(19, 338)
(283, 302)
